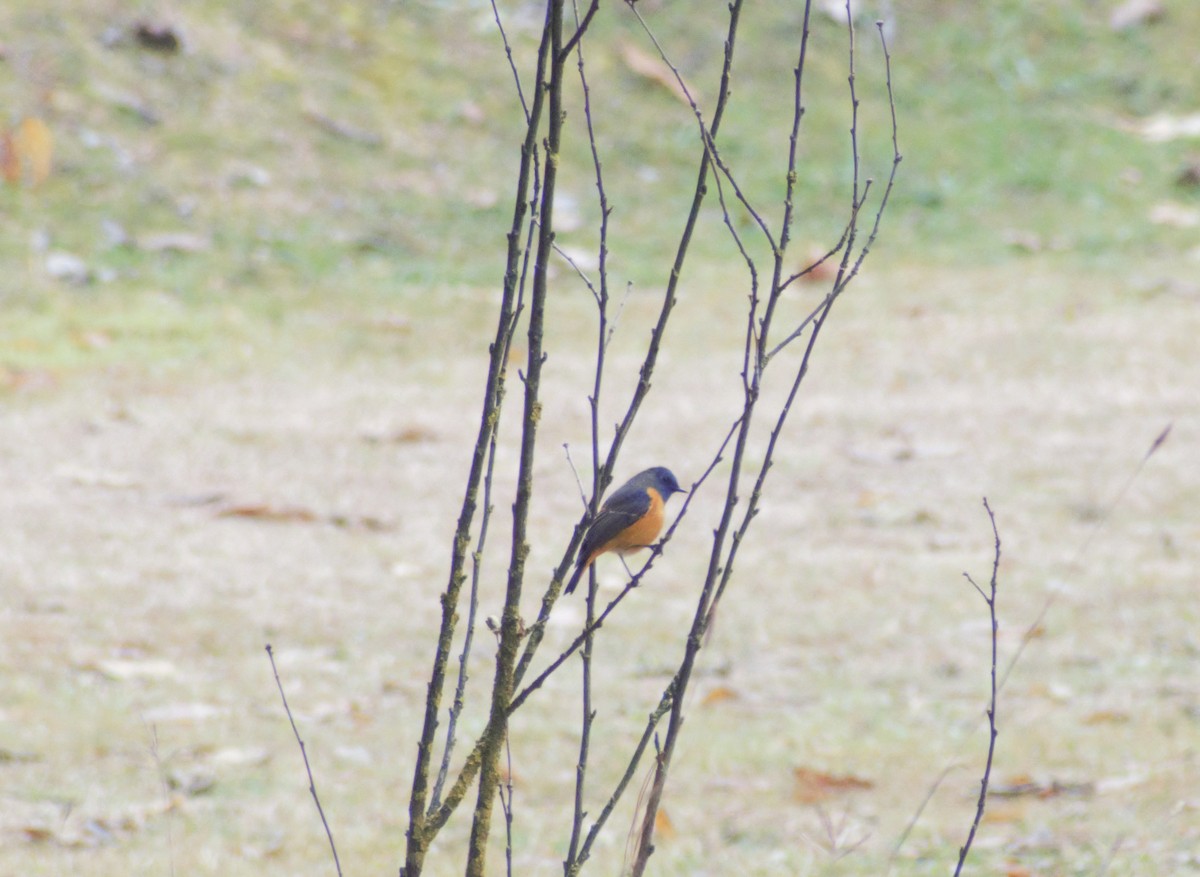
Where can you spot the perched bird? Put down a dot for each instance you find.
(629, 519)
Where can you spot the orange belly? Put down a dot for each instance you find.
(638, 535)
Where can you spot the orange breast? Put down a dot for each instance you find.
(641, 533)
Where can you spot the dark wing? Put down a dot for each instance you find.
(622, 510)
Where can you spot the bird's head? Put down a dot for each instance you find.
(663, 480)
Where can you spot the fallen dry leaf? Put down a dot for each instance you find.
(263, 512)
(663, 827)
(1106, 717)
(35, 148)
(410, 435)
(719, 694)
(814, 785)
(817, 268)
(1022, 786)
(1009, 813)
(654, 69)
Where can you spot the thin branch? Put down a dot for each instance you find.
(707, 136)
(849, 267)
(1032, 630)
(506, 804)
(420, 833)
(312, 784)
(634, 581)
(813, 266)
(435, 799)
(721, 560)
(511, 626)
(990, 599)
(664, 704)
(585, 735)
(602, 336)
(916, 817)
(511, 64)
(580, 28)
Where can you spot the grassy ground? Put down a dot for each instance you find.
(254, 432)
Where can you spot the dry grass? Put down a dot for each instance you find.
(137, 612)
(263, 440)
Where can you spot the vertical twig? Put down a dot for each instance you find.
(602, 338)
(460, 686)
(312, 784)
(511, 627)
(424, 823)
(1029, 633)
(506, 804)
(990, 598)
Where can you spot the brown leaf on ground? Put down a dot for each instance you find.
(1023, 786)
(817, 268)
(411, 435)
(35, 148)
(663, 827)
(1106, 717)
(1009, 813)
(720, 694)
(264, 512)
(813, 786)
(654, 69)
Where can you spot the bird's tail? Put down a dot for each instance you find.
(575, 576)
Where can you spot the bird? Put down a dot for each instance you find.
(630, 519)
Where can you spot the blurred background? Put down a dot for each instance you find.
(249, 259)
